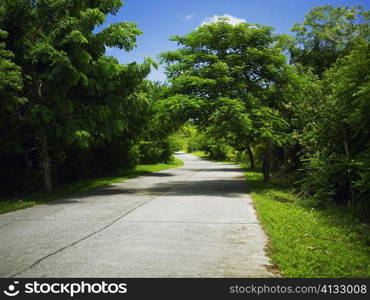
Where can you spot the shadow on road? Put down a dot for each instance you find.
(220, 170)
(159, 175)
(208, 188)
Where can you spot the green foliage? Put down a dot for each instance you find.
(69, 110)
(336, 138)
(12, 103)
(308, 119)
(189, 139)
(329, 33)
(152, 152)
(227, 79)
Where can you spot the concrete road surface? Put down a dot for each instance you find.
(193, 221)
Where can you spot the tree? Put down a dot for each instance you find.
(337, 142)
(11, 100)
(65, 74)
(229, 77)
(326, 102)
(327, 34)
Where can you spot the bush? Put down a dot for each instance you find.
(151, 152)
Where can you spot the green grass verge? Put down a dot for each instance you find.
(7, 205)
(307, 242)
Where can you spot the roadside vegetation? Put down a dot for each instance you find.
(306, 241)
(68, 111)
(296, 107)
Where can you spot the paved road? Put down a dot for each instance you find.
(193, 221)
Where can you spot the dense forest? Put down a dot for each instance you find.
(296, 106)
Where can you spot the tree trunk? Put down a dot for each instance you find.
(251, 157)
(266, 167)
(45, 162)
(44, 153)
(346, 150)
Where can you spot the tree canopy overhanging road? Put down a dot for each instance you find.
(294, 107)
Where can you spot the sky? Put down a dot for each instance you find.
(161, 19)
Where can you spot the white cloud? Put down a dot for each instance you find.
(186, 17)
(230, 19)
(189, 17)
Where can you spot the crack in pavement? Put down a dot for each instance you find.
(2, 226)
(98, 231)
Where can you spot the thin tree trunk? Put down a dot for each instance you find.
(266, 167)
(45, 162)
(346, 150)
(44, 153)
(251, 157)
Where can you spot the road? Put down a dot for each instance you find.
(192, 221)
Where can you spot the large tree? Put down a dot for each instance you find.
(229, 77)
(73, 92)
(327, 103)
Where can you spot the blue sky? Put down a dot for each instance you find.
(160, 19)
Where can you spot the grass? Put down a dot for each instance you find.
(82, 186)
(307, 242)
